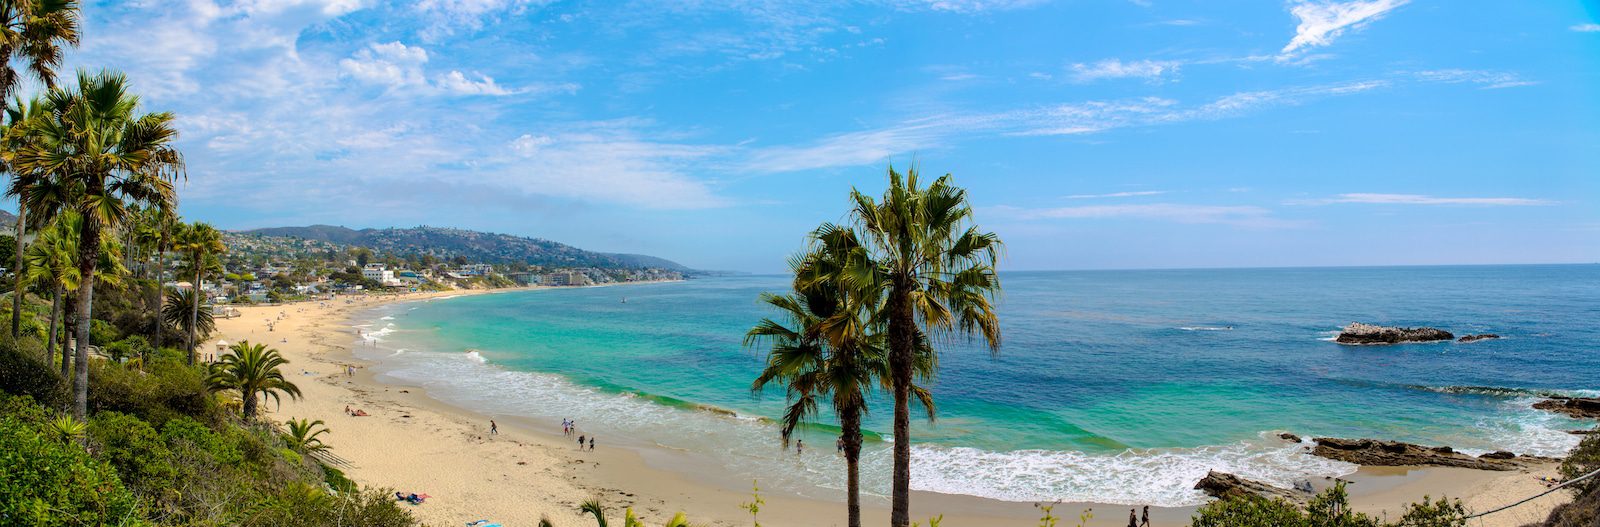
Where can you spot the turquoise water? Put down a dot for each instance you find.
(1112, 386)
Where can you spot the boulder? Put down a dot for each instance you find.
(1575, 407)
(1223, 485)
(1478, 337)
(1498, 454)
(1373, 452)
(1358, 333)
(1289, 437)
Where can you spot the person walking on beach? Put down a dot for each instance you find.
(1133, 518)
(1144, 518)
(591, 444)
(580, 442)
(494, 429)
(799, 447)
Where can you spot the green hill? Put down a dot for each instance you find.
(447, 243)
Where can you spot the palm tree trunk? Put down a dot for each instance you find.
(16, 291)
(161, 289)
(902, 332)
(247, 398)
(850, 422)
(194, 312)
(88, 259)
(66, 337)
(55, 321)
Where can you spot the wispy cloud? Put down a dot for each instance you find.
(1489, 80)
(970, 6)
(1586, 28)
(395, 65)
(1235, 215)
(1421, 199)
(1149, 70)
(1322, 21)
(1118, 194)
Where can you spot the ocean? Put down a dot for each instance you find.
(1111, 386)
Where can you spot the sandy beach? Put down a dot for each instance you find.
(411, 442)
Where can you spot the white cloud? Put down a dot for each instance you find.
(1322, 21)
(1586, 28)
(958, 77)
(971, 6)
(1420, 199)
(1236, 215)
(1130, 194)
(528, 144)
(606, 162)
(1490, 80)
(457, 83)
(391, 64)
(1149, 70)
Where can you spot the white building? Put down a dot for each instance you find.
(377, 273)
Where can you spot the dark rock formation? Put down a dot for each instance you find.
(1576, 407)
(1289, 437)
(1478, 337)
(1223, 485)
(1358, 333)
(1372, 452)
(1498, 454)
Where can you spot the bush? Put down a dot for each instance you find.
(1248, 511)
(102, 333)
(23, 371)
(187, 435)
(168, 389)
(303, 505)
(135, 450)
(1583, 459)
(132, 347)
(49, 483)
(1331, 508)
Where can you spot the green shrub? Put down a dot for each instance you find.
(165, 390)
(1583, 459)
(1248, 511)
(185, 434)
(1428, 513)
(135, 450)
(102, 333)
(303, 505)
(132, 347)
(50, 483)
(23, 371)
(1331, 508)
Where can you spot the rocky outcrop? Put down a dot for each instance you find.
(1478, 337)
(1372, 452)
(1358, 333)
(1575, 407)
(1224, 485)
(1289, 437)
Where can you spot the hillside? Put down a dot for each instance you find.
(446, 243)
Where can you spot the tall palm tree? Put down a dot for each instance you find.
(105, 155)
(927, 272)
(31, 32)
(252, 371)
(820, 348)
(200, 245)
(161, 223)
(177, 313)
(52, 264)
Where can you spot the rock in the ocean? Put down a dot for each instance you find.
(1289, 437)
(1358, 333)
(1576, 407)
(1499, 454)
(1222, 485)
(1475, 338)
(1372, 452)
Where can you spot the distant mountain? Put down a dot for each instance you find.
(7, 218)
(446, 243)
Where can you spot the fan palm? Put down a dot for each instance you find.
(200, 245)
(924, 269)
(252, 370)
(302, 435)
(158, 225)
(51, 264)
(32, 32)
(103, 154)
(180, 304)
(820, 348)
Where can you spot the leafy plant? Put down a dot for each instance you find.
(755, 503)
(302, 435)
(252, 370)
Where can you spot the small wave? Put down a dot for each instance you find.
(1206, 328)
(398, 352)
(477, 357)
(1499, 391)
(387, 317)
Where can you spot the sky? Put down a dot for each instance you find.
(1089, 134)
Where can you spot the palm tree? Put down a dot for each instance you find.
(104, 155)
(820, 349)
(252, 371)
(51, 263)
(302, 435)
(926, 271)
(32, 31)
(161, 222)
(200, 245)
(180, 305)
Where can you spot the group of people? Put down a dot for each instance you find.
(569, 428)
(1135, 520)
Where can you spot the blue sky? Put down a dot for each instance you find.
(1091, 134)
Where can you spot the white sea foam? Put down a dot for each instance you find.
(1206, 328)
(750, 447)
(387, 317)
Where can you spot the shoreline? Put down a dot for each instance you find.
(416, 443)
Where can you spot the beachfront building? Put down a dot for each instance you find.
(475, 270)
(566, 279)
